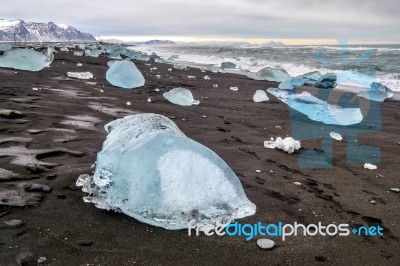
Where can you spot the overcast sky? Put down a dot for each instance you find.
(274, 19)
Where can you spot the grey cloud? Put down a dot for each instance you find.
(235, 18)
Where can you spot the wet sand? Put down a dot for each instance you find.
(62, 125)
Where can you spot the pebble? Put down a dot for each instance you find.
(297, 183)
(395, 189)
(265, 243)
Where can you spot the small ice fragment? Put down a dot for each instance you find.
(215, 85)
(181, 67)
(206, 77)
(370, 166)
(41, 260)
(79, 64)
(234, 88)
(125, 74)
(191, 77)
(158, 76)
(336, 136)
(258, 171)
(260, 96)
(157, 89)
(149, 100)
(297, 183)
(128, 103)
(265, 243)
(78, 53)
(394, 189)
(169, 69)
(80, 75)
(288, 144)
(179, 96)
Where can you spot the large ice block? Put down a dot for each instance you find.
(180, 96)
(27, 59)
(5, 47)
(149, 170)
(124, 74)
(317, 109)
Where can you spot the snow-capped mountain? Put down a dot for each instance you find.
(40, 32)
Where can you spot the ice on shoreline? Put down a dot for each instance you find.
(80, 75)
(180, 96)
(318, 110)
(260, 96)
(149, 170)
(124, 74)
(27, 59)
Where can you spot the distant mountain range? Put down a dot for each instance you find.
(17, 29)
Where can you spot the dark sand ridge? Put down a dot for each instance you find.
(66, 118)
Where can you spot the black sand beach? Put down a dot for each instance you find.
(66, 118)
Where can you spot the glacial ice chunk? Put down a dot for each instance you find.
(149, 170)
(78, 53)
(370, 166)
(180, 96)
(377, 92)
(124, 74)
(326, 81)
(288, 144)
(27, 59)
(228, 65)
(260, 96)
(181, 67)
(80, 75)
(317, 109)
(93, 53)
(267, 73)
(64, 49)
(336, 136)
(5, 47)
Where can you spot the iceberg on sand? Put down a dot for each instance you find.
(377, 92)
(326, 81)
(180, 96)
(27, 59)
(318, 110)
(149, 170)
(124, 74)
(228, 65)
(268, 73)
(260, 96)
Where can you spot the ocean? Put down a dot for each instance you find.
(356, 65)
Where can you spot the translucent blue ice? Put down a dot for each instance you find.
(326, 81)
(149, 170)
(228, 65)
(180, 96)
(318, 110)
(5, 47)
(377, 92)
(27, 59)
(268, 73)
(124, 74)
(181, 67)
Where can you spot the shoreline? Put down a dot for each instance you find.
(70, 114)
